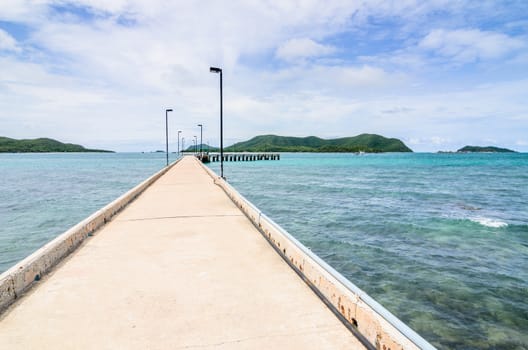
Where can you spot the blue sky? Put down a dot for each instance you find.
(436, 74)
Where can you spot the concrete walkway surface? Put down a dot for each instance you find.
(180, 268)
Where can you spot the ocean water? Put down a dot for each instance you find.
(441, 240)
(43, 195)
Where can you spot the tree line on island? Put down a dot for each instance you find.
(40, 145)
(368, 143)
(487, 149)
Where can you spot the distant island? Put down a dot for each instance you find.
(487, 149)
(41, 145)
(368, 143)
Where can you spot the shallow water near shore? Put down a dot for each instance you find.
(43, 195)
(441, 240)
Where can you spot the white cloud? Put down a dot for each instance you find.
(25, 11)
(295, 49)
(111, 6)
(452, 49)
(7, 42)
(429, 141)
(470, 45)
(364, 76)
(337, 80)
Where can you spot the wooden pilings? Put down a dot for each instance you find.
(243, 157)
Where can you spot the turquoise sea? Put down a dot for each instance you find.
(441, 240)
(42, 195)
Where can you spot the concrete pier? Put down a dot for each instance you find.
(181, 267)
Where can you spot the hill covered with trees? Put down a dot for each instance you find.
(369, 143)
(40, 145)
(487, 149)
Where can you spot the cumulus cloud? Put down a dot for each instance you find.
(338, 80)
(431, 141)
(469, 45)
(296, 49)
(24, 11)
(7, 42)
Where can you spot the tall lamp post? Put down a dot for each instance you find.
(219, 70)
(201, 134)
(179, 132)
(167, 134)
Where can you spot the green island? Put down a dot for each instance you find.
(487, 149)
(41, 145)
(368, 143)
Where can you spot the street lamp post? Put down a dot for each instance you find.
(201, 142)
(219, 70)
(167, 134)
(179, 132)
(183, 144)
(195, 144)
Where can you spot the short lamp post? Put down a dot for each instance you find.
(179, 132)
(167, 134)
(195, 144)
(201, 135)
(219, 70)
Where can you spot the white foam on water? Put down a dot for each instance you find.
(489, 222)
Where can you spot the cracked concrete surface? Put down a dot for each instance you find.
(180, 268)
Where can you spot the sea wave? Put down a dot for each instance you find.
(489, 222)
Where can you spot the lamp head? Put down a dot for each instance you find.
(168, 110)
(215, 70)
(200, 125)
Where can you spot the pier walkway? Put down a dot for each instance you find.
(180, 268)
